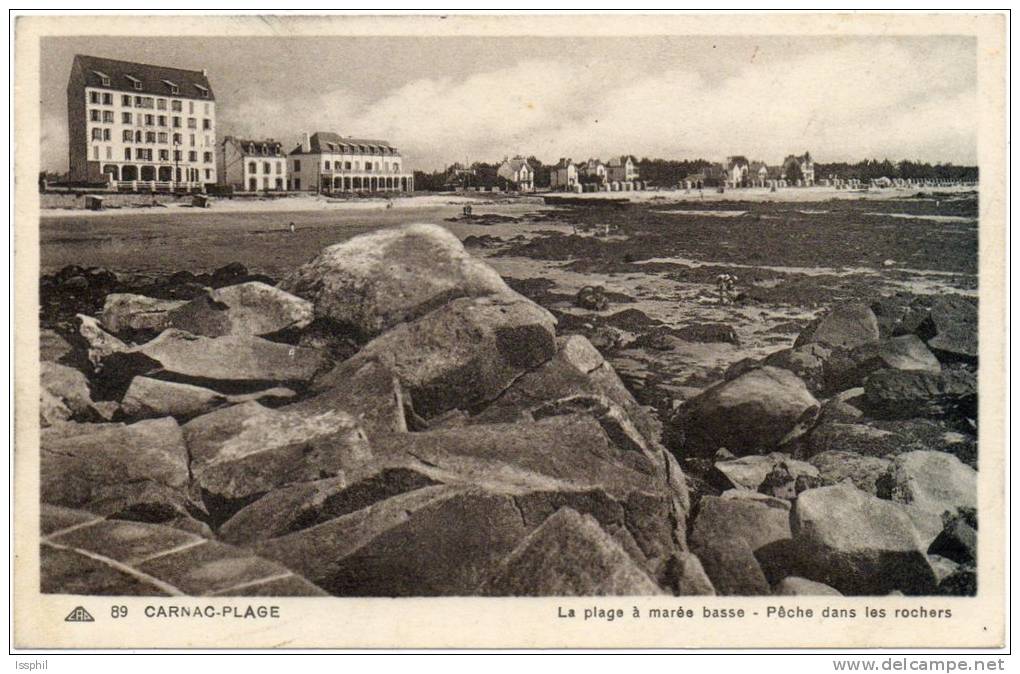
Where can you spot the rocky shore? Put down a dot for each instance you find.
(393, 419)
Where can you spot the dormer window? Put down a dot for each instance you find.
(174, 89)
(135, 82)
(202, 91)
(104, 79)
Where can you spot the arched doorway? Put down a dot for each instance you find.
(129, 172)
(166, 173)
(347, 184)
(148, 172)
(112, 170)
(338, 183)
(357, 183)
(253, 184)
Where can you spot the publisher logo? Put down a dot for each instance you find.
(79, 615)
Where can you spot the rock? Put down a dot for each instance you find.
(839, 412)
(899, 394)
(860, 438)
(807, 361)
(605, 338)
(957, 541)
(794, 586)
(708, 333)
(52, 346)
(906, 352)
(218, 362)
(569, 555)
(942, 567)
(592, 298)
(748, 415)
(834, 466)
(954, 321)
(577, 379)
(228, 274)
(846, 326)
(52, 409)
(465, 353)
(70, 387)
(252, 308)
(98, 342)
(242, 451)
(88, 555)
(929, 484)
(77, 461)
(367, 390)
(128, 313)
(436, 541)
(376, 281)
(147, 397)
(961, 583)
(143, 501)
(725, 519)
(740, 367)
(749, 472)
(686, 576)
(858, 544)
(733, 569)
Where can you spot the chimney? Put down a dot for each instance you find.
(306, 143)
(205, 73)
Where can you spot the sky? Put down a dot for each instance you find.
(447, 99)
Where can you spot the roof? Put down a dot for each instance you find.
(517, 163)
(254, 147)
(327, 141)
(564, 163)
(152, 79)
(736, 160)
(757, 166)
(619, 161)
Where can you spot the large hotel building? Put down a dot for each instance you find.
(138, 122)
(331, 163)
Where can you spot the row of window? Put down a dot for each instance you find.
(106, 116)
(142, 153)
(347, 166)
(104, 98)
(253, 167)
(129, 136)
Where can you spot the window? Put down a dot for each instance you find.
(108, 116)
(138, 85)
(191, 138)
(150, 120)
(105, 80)
(176, 122)
(161, 104)
(97, 134)
(150, 136)
(207, 157)
(347, 165)
(208, 174)
(175, 106)
(162, 136)
(396, 167)
(125, 101)
(192, 123)
(192, 156)
(162, 120)
(138, 136)
(127, 153)
(107, 99)
(94, 97)
(325, 165)
(297, 183)
(177, 155)
(252, 167)
(368, 166)
(206, 124)
(265, 167)
(125, 117)
(164, 155)
(107, 134)
(297, 166)
(128, 135)
(177, 139)
(94, 115)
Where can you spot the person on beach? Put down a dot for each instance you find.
(292, 228)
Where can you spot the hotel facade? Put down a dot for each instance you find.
(133, 122)
(330, 163)
(252, 165)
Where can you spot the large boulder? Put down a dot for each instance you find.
(252, 308)
(70, 387)
(929, 484)
(795, 586)
(99, 344)
(749, 472)
(147, 397)
(731, 566)
(127, 313)
(569, 555)
(750, 414)
(78, 461)
(906, 352)
(765, 529)
(903, 394)
(835, 466)
(375, 281)
(435, 541)
(954, 321)
(846, 326)
(240, 452)
(367, 390)
(858, 438)
(53, 346)
(465, 353)
(218, 362)
(88, 555)
(807, 361)
(858, 543)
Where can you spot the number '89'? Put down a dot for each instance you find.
(118, 611)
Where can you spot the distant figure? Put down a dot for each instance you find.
(389, 204)
(725, 283)
(292, 228)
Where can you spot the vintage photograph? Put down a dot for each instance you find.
(407, 316)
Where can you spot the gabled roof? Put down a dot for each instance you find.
(517, 163)
(329, 142)
(564, 163)
(257, 147)
(736, 160)
(620, 161)
(152, 80)
(757, 166)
